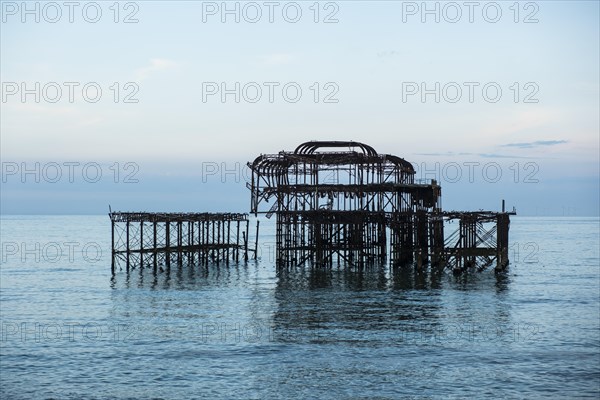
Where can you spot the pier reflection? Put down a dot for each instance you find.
(372, 305)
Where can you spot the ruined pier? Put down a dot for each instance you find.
(154, 240)
(335, 203)
(339, 202)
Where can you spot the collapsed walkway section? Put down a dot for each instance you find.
(155, 240)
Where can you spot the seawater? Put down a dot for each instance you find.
(72, 331)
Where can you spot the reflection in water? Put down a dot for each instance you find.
(373, 278)
(502, 281)
(182, 277)
(251, 331)
(373, 307)
(376, 277)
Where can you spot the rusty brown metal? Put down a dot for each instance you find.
(336, 202)
(153, 240)
(342, 202)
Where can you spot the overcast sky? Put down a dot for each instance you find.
(189, 94)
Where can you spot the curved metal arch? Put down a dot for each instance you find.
(312, 146)
(405, 165)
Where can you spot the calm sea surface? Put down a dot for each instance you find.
(69, 331)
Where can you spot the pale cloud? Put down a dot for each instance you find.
(537, 143)
(37, 109)
(30, 115)
(524, 121)
(534, 119)
(156, 65)
(273, 60)
(90, 121)
(462, 154)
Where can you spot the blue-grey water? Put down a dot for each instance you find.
(69, 331)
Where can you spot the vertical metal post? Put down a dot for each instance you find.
(112, 241)
(127, 245)
(154, 245)
(256, 240)
(141, 245)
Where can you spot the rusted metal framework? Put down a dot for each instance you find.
(480, 240)
(141, 239)
(342, 202)
(335, 201)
